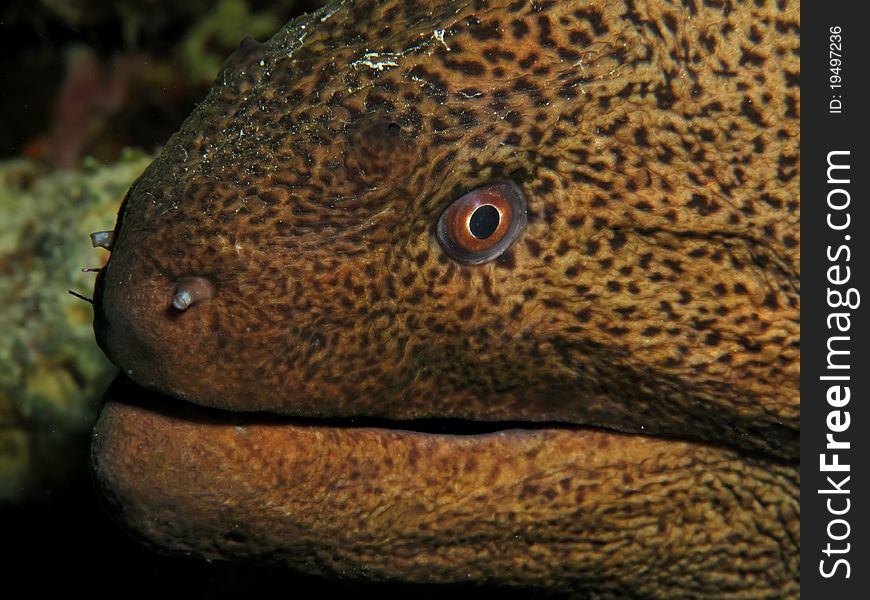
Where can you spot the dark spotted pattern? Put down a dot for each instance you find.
(662, 243)
(655, 288)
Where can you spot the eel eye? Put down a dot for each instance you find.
(481, 224)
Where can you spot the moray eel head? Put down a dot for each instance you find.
(577, 212)
(283, 254)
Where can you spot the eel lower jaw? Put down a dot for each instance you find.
(554, 507)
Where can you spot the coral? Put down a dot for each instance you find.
(51, 371)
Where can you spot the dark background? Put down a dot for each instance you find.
(99, 75)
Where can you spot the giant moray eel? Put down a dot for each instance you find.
(577, 222)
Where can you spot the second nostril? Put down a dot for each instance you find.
(190, 290)
(103, 239)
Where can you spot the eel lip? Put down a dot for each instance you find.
(124, 389)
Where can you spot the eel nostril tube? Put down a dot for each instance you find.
(190, 290)
(103, 239)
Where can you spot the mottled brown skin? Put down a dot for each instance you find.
(655, 289)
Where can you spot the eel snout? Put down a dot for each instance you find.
(150, 327)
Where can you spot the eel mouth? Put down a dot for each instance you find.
(544, 505)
